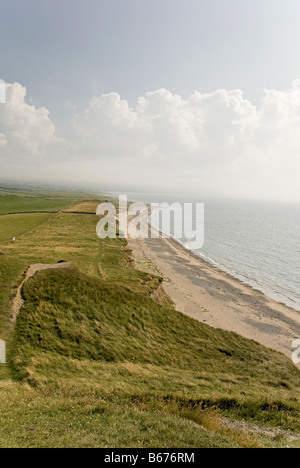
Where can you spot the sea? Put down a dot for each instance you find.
(257, 242)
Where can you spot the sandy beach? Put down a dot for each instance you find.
(211, 296)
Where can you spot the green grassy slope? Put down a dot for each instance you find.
(95, 361)
(10, 203)
(16, 225)
(19, 204)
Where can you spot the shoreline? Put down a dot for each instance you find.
(280, 299)
(255, 286)
(211, 295)
(214, 264)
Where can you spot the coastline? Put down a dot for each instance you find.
(274, 281)
(212, 296)
(277, 297)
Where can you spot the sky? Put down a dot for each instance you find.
(199, 96)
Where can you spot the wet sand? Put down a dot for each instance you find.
(210, 295)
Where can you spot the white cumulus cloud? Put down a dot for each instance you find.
(218, 142)
(215, 143)
(25, 129)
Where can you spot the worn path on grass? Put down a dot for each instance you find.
(32, 270)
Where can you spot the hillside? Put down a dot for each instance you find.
(100, 358)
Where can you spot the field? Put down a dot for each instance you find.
(23, 204)
(21, 213)
(100, 358)
(16, 225)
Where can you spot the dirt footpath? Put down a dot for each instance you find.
(32, 270)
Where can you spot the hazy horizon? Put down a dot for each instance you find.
(160, 96)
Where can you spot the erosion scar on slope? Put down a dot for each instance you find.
(32, 270)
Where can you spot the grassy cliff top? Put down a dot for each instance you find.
(99, 357)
